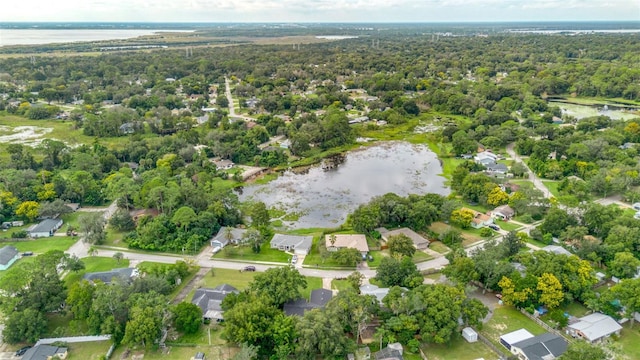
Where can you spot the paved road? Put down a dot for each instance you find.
(232, 109)
(532, 176)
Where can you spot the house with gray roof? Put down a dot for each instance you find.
(374, 290)
(318, 299)
(419, 242)
(546, 346)
(498, 168)
(227, 235)
(504, 212)
(556, 249)
(391, 352)
(8, 255)
(210, 301)
(45, 228)
(594, 327)
(300, 245)
(45, 352)
(107, 277)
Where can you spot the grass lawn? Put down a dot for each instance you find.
(434, 276)
(552, 186)
(506, 319)
(178, 352)
(630, 341)
(95, 264)
(61, 129)
(70, 219)
(508, 226)
(536, 242)
(314, 259)
(521, 218)
(88, 350)
(42, 245)
(312, 284)
(114, 238)
(458, 349)
(576, 309)
(22, 264)
(340, 285)
(438, 246)
(245, 253)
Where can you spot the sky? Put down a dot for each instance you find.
(319, 10)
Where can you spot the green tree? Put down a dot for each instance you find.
(320, 333)
(624, 265)
(24, 326)
(91, 226)
(259, 215)
(628, 293)
(187, 317)
(394, 272)
(183, 217)
(53, 209)
(347, 256)
(497, 197)
(118, 256)
(581, 350)
(279, 285)
(355, 280)
(461, 270)
(121, 220)
(473, 311)
(401, 245)
(146, 319)
(80, 298)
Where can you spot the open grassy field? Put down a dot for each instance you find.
(552, 186)
(458, 349)
(471, 236)
(629, 341)
(42, 245)
(438, 246)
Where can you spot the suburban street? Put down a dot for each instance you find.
(532, 176)
(232, 109)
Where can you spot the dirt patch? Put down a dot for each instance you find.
(26, 135)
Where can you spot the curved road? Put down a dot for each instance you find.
(232, 109)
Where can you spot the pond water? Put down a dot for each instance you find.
(583, 111)
(323, 195)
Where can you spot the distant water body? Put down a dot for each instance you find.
(48, 36)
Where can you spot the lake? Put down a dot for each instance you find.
(583, 111)
(50, 36)
(324, 197)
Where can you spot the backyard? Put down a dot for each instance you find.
(506, 319)
(458, 349)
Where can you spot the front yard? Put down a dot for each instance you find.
(245, 253)
(95, 264)
(42, 245)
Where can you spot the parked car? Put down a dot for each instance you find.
(494, 227)
(216, 249)
(294, 259)
(22, 350)
(249, 268)
(636, 206)
(637, 215)
(27, 253)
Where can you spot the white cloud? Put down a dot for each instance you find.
(318, 10)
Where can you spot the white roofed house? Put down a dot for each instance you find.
(504, 212)
(300, 245)
(594, 327)
(45, 228)
(227, 235)
(334, 242)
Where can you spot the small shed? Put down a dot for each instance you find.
(470, 335)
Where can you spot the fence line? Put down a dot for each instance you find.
(545, 325)
(495, 349)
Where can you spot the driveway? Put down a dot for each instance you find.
(532, 176)
(9, 356)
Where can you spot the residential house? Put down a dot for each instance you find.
(480, 220)
(285, 144)
(334, 242)
(497, 168)
(300, 245)
(374, 290)
(556, 249)
(419, 242)
(512, 338)
(391, 352)
(504, 212)
(227, 235)
(45, 352)
(45, 228)
(210, 301)
(318, 299)
(546, 346)
(485, 157)
(8, 255)
(627, 145)
(223, 164)
(107, 277)
(594, 327)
